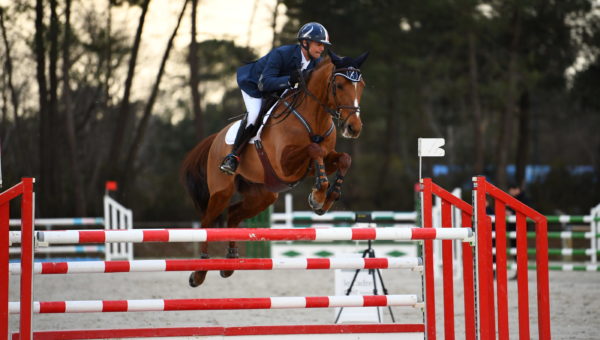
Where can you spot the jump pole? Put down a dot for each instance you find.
(110, 306)
(246, 234)
(87, 267)
(289, 332)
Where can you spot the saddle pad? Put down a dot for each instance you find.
(233, 129)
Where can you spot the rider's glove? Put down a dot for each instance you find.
(296, 75)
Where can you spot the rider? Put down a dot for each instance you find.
(279, 69)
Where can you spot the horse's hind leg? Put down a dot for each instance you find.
(255, 198)
(216, 205)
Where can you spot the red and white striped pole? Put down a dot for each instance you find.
(219, 264)
(108, 306)
(250, 234)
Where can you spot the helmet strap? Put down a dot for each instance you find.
(305, 44)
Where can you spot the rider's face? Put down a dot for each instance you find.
(315, 49)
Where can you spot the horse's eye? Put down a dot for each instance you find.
(339, 86)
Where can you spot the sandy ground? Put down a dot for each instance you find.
(575, 300)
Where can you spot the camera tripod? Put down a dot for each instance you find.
(370, 253)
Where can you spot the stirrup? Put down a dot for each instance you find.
(230, 164)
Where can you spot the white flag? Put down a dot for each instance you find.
(431, 147)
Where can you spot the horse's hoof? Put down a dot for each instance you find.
(226, 273)
(319, 212)
(197, 278)
(232, 253)
(313, 204)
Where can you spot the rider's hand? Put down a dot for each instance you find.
(296, 75)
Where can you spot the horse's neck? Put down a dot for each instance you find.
(312, 108)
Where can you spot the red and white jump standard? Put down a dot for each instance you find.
(479, 308)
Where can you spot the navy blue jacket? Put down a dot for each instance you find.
(272, 72)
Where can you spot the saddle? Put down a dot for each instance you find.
(272, 182)
(268, 102)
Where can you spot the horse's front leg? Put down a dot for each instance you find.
(339, 161)
(318, 195)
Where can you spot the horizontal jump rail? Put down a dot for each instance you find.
(249, 234)
(559, 251)
(63, 222)
(63, 249)
(563, 267)
(557, 218)
(556, 235)
(383, 331)
(219, 264)
(344, 216)
(109, 306)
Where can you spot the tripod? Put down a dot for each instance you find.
(369, 252)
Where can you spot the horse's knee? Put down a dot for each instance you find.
(315, 151)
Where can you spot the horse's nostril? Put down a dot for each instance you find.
(350, 129)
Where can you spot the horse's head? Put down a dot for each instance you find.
(346, 86)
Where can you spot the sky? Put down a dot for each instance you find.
(217, 19)
(246, 22)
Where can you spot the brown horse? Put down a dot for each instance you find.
(298, 139)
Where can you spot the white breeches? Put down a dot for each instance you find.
(252, 106)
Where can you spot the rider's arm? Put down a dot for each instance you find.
(270, 80)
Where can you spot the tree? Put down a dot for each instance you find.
(14, 96)
(129, 171)
(69, 120)
(46, 161)
(123, 123)
(194, 78)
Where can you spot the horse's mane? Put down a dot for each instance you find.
(322, 63)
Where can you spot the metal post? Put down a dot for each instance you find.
(4, 268)
(27, 215)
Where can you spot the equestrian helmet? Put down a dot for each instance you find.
(315, 32)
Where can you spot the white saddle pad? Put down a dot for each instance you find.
(233, 129)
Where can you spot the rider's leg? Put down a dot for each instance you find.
(245, 132)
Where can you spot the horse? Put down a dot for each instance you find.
(298, 139)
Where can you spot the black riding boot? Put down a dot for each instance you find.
(231, 161)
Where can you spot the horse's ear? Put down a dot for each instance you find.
(361, 59)
(334, 58)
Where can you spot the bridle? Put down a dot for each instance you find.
(350, 73)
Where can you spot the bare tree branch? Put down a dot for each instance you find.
(143, 125)
(124, 115)
(194, 77)
(80, 199)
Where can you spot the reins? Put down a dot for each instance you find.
(350, 73)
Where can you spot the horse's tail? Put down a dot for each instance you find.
(193, 173)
